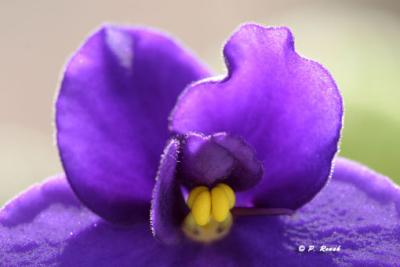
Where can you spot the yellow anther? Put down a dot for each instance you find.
(194, 193)
(201, 207)
(220, 204)
(229, 193)
(206, 206)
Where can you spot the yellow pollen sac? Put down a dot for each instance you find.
(220, 204)
(201, 207)
(229, 193)
(217, 204)
(194, 193)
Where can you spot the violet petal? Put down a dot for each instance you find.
(111, 115)
(358, 210)
(286, 107)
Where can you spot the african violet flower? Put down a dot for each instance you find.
(240, 154)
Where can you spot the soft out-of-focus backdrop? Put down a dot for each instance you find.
(358, 41)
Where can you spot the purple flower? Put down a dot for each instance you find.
(239, 154)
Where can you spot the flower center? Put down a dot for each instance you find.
(209, 218)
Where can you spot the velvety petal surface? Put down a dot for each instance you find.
(168, 207)
(111, 115)
(286, 107)
(207, 160)
(358, 210)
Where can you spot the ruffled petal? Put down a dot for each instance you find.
(168, 207)
(358, 210)
(286, 107)
(111, 115)
(207, 160)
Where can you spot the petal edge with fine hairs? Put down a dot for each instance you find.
(111, 115)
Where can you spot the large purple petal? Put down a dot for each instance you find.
(111, 115)
(358, 210)
(287, 107)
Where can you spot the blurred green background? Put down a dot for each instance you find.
(358, 41)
